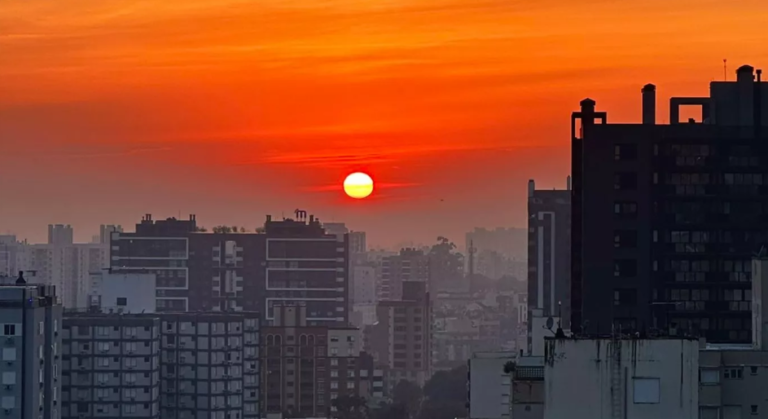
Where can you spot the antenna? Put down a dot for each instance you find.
(725, 69)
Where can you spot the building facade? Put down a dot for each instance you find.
(306, 367)
(401, 340)
(622, 377)
(489, 385)
(549, 254)
(666, 218)
(30, 345)
(110, 366)
(409, 265)
(289, 261)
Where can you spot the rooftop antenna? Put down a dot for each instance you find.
(725, 69)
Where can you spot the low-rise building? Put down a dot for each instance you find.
(489, 385)
(622, 377)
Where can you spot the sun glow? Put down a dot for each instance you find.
(358, 185)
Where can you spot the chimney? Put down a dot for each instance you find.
(649, 104)
(568, 183)
(745, 79)
(531, 188)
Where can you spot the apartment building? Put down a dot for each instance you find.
(30, 345)
(401, 340)
(666, 217)
(162, 365)
(306, 367)
(409, 265)
(210, 365)
(289, 261)
(111, 366)
(549, 252)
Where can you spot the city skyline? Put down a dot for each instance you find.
(129, 112)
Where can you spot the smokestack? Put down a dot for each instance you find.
(531, 187)
(649, 104)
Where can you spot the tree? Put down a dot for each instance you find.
(445, 395)
(409, 396)
(350, 407)
(445, 264)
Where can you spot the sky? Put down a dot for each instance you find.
(234, 109)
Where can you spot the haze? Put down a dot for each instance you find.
(231, 109)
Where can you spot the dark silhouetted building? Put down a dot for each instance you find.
(666, 218)
(549, 253)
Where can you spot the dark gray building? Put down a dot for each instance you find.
(289, 260)
(163, 365)
(30, 316)
(666, 218)
(549, 253)
(111, 366)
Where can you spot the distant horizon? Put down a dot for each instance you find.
(240, 108)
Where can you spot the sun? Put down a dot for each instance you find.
(358, 185)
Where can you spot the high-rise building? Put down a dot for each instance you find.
(306, 367)
(60, 235)
(30, 345)
(549, 254)
(409, 265)
(401, 340)
(291, 260)
(666, 218)
(162, 365)
(111, 366)
(357, 242)
(105, 232)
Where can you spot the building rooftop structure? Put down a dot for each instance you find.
(665, 218)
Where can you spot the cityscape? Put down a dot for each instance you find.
(634, 291)
(405, 209)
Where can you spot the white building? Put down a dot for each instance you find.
(364, 278)
(621, 378)
(125, 292)
(489, 385)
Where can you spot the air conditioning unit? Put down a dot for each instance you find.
(8, 387)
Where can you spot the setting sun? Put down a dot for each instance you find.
(358, 185)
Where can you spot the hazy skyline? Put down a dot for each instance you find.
(233, 109)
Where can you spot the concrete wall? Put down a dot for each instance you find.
(489, 386)
(605, 378)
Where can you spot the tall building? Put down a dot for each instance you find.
(488, 385)
(549, 254)
(105, 232)
(111, 366)
(30, 317)
(357, 242)
(291, 260)
(401, 340)
(162, 365)
(666, 218)
(60, 235)
(306, 367)
(409, 265)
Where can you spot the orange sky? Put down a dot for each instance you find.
(236, 108)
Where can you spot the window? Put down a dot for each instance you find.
(709, 413)
(753, 370)
(625, 297)
(709, 376)
(733, 373)
(625, 209)
(625, 152)
(9, 330)
(625, 268)
(625, 239)
(753, 409)
(646, 390)
(626, 181)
